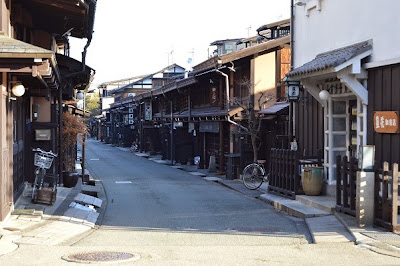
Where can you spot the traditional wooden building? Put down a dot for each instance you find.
(351, 87)
(34, 83)
(124, 129)
(201, 115)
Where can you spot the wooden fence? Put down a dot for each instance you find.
(284, 176)
(346, 176)
(386, 197)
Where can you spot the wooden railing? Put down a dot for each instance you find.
(346, 176)
(386, 197)
(284, 176)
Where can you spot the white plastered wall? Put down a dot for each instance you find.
(341, 23)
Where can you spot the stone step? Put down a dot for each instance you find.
(87, 199)
(161, 161)
(324, 203)
(198, 174)
(89, 188)
(328, 229)
(292, 207)
(179, 167)
(213, 178)
(144, 155)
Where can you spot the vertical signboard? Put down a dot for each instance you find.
(147, 111)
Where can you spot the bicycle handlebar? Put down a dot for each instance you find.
(45, 152)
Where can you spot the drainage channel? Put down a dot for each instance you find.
(101, 257)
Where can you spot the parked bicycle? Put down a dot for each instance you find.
(254, 175)
(43, 161)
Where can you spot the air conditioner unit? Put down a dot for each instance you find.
(300, 2)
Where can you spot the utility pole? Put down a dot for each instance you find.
(83, 141)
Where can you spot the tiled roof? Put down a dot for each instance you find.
(12, 48)
(277, 108)
(208, 112)
(282, 23)
(330, 59)
(252, 50)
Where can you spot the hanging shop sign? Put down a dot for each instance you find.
(386, 122)
(211, 127)
(147, 111)
(178, 124)
(191, 127)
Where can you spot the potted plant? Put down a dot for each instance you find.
(72, 127)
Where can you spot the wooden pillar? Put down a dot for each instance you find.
(172, 133)
(60, 137)
(221, 147)
(204, 151)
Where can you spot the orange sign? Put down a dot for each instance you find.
(386, 122)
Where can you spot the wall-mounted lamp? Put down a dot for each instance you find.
(18, 90)
(79, 95)
(324, 95)
(292, 89)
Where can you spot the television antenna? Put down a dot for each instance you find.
(248, 31)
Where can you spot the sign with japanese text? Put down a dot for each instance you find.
(386, 122)
(148, 111)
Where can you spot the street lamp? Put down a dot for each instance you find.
(293, 94)
(293, 89)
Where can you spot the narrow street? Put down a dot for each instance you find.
(166, 216)
(145, 197)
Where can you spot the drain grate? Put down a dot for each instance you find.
(101, 257)
(386, 237)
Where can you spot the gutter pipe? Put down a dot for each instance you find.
(226, 87)
(236, 124)
(291, 34)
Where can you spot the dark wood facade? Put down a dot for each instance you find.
(32, 33)
(384, 95)
(309, 125)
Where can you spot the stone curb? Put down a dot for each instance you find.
(369, 243)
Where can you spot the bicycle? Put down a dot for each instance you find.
(43, 161)
(254, 175)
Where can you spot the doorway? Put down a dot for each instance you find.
(343, 131)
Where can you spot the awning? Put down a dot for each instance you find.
(24, 58)
(344, 64)
(71, 70)
(331, 60)
(279, 108)
(209, 112)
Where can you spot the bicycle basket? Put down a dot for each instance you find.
(43, 161)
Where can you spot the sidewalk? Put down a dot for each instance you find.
(72, 214)
(324, 223)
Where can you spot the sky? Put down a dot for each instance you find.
(134, 38)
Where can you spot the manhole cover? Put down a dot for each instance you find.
(101, 257)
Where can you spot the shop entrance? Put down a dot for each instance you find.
(343, 125)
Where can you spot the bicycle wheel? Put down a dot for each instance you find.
(253, 176)
(35, 183)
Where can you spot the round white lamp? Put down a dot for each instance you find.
(18, 90)
(79, 95)
(324, 95)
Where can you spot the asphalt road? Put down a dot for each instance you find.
(144, 196)
(169, 217)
